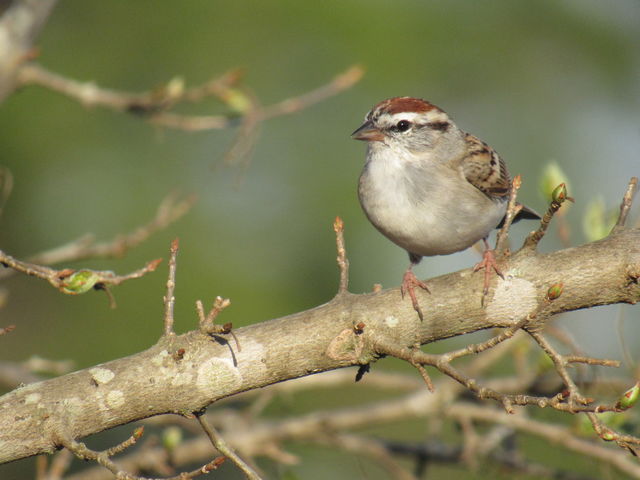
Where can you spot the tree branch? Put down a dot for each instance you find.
(159, 381)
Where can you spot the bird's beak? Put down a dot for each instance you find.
(368, 132)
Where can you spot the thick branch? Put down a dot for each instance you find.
(158, 381)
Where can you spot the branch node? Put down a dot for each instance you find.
(207, 323)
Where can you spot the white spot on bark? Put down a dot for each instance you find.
(102, 375)
(513, 299)
(181, 379)
(115, 399)
(72, 406)
(32, 398)
(391, 321)
(218, 374)
(160, 359)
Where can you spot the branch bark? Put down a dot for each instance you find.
(340, 333)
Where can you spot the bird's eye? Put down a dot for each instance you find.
(403, 125)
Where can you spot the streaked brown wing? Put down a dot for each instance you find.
(484, 169)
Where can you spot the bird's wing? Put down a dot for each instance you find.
(484, 169)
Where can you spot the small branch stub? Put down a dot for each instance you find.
(207, 323)
(343, 262)
(627, 199)
(170, 299)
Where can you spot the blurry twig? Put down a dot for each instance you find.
(146, 103)
(7, 329)
(6, 185)
(75, 282)
(223, 447)
(154, 104)
(170, 210)
(81, 451)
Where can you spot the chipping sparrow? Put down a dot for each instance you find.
(428, 186)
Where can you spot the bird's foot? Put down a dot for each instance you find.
(489, 263)
(409, 281)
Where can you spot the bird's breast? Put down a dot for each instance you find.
(426, 208)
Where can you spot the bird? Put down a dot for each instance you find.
(430, 187)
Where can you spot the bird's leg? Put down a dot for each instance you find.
(489, 263)
(409, 281)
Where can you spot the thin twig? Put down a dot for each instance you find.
(129, 442)
(441, 453)
(81, 451)
(170, 210)
(424, 374)
(153, 104)
(559, 197)
(376, 450)
(60, 464)
(562, 436)
(603, 362)
(7, 329)
(221, 445)
(169, 298)
(340, 82)
(41, 467)
(343, 261)
(75, 282)
(627, 200)
(512, 210)
(6, 186)
(576, 403)
(475, 348)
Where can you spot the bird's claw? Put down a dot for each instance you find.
(489, 263)
(409, 281)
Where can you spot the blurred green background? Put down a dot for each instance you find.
(539, 81)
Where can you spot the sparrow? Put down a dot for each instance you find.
(429, 187)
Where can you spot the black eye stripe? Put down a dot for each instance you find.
(440, 126)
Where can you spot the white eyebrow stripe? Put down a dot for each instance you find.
(433, 116)
(409, 116)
